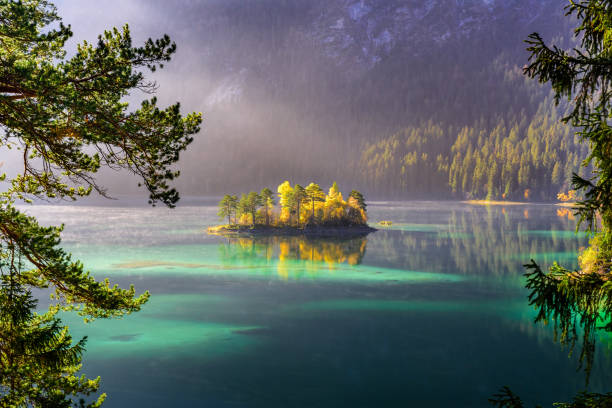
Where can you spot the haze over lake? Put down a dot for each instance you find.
(431, 311)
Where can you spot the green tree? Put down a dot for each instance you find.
(299, 195)
(580, 302)
(253, 202)
(267, 200)
(68, 117)
(248, 205)
(359, 198)
(582, 76)
(243, 206)
(315, 194)
(38, 361)
(227, 207)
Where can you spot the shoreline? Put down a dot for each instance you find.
(318, 231)
(494, 202)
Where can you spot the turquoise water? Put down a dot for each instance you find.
(428, 312)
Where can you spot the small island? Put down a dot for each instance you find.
(300, 211)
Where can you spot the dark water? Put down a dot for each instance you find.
(429, 312)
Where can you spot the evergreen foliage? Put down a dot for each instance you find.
(309, 205)
(228, 206)
(481, 161)
(578, 303)
(38, 361)
(267, 201)
(67, 117)
(299, 195)
(316, 195)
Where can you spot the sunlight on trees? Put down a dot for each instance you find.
(298, 207)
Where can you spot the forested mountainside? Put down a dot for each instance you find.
(531, 157)
(399, 98)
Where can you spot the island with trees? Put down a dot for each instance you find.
(298, 210)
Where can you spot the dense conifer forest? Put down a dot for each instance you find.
(519, 158)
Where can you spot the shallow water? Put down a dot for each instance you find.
(430, 311)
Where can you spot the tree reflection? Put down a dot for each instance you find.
(475, 240)
(294, 254)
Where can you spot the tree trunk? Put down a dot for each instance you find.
(313, 214)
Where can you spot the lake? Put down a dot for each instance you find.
(430, 311)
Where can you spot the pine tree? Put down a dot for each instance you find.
(227, 207)
(315, 194)
(69, 118)
(253, 202)
(267, 200)
(299, 195)
(359, 198)
(38, 361)
(580, 302)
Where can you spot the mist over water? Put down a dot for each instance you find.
(430, 311)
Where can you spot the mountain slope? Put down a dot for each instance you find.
(298, 89)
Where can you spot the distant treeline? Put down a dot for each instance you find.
(525, 158)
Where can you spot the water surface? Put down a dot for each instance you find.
(428, 312)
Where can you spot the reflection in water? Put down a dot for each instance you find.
(435, 314)
(566, 213)
(285, 250)
(489, 241)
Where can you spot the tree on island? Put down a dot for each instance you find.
(357, 205)
(68, 118)
(299, 195)
(286, 198)
(334, 204)
(228, 206)
(267, 199)
(248, 205)
(314, 194)
(358, 197)
(254, 207)
(253, 202)
(579, 303)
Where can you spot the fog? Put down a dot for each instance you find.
(295, 89)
